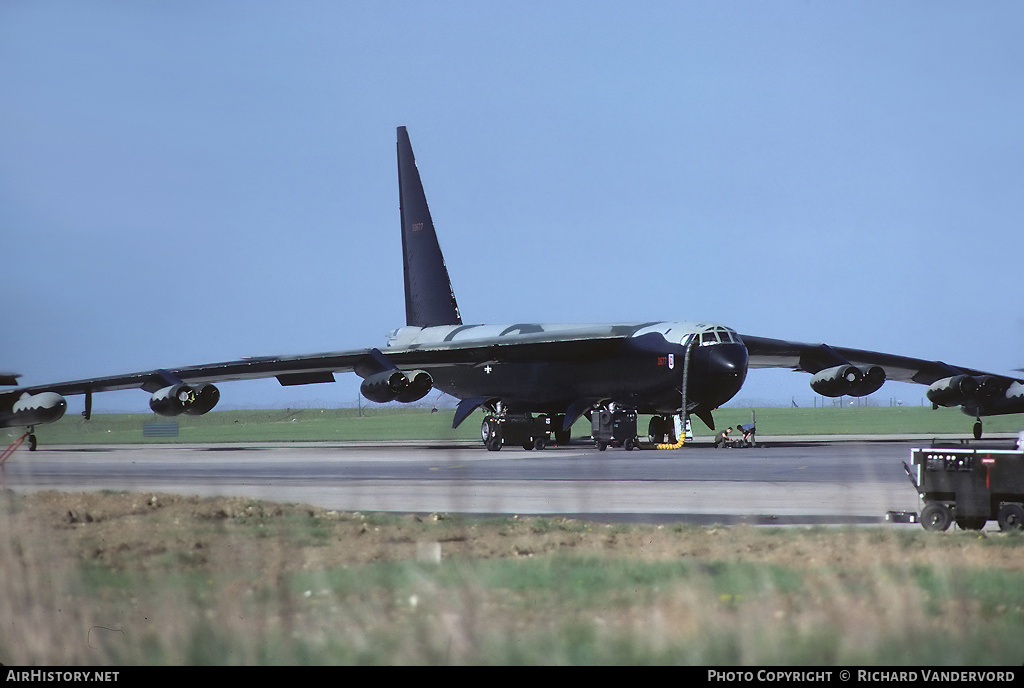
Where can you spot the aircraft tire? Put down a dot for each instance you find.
(974, 523)
(977, 430)
(489, 428)
(936, 517)
(656, 430)
(1010, 517)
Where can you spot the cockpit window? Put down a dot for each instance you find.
(716, 335)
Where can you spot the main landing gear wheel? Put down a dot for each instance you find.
(936, 517)
(490, 433)
(661, 430)
(562, 437)
(656, 430)
(977, 430)
(974, 523)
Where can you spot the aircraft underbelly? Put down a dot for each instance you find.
(553, 386)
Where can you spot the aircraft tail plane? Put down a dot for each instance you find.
(429, 298)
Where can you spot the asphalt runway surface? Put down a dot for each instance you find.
(816, 481)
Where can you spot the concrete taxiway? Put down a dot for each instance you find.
(811, 481)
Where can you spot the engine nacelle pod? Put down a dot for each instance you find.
(952, 391)
(848, 380)
(182, 398)
(394, 385)
(384, 386)
(837, 381)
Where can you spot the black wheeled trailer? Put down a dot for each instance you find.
(969, 487)
(522, 429)
(614, 428)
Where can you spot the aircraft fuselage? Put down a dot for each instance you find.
(543, 368)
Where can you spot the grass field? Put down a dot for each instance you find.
(148, 579)
(386, 423)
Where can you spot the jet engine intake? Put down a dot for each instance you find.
(874, 378)
(420, 383)
(181, 398)
(848, 380)
(991, 387)
(394, 385)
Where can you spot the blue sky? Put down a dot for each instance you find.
(189, 182)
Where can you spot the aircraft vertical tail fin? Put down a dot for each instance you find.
(429, 298)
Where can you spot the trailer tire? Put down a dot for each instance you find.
(1011, 517)
(973, 523)
(936, 517)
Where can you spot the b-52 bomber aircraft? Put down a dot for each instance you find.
(534, 380)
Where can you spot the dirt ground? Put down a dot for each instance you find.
(143, 531)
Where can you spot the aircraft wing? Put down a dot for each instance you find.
(813, 358)
(314, 368)
(289, 370)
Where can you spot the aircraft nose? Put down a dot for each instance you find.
(725, 359)
(719, 372)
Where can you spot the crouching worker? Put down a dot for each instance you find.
(722, 438)
(748, 434)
